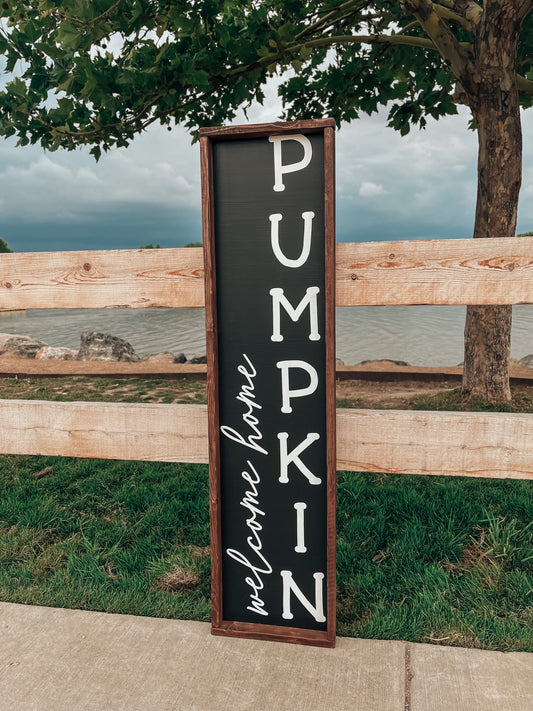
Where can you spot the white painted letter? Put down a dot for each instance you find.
(300, 547)
(289, 585)
(279, 299)
(306, 248)
(293, 457)
(286, 392)
(250, 442)
(279, 168)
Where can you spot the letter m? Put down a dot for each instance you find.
(309, 300)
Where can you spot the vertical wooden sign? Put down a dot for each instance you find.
(268, 220)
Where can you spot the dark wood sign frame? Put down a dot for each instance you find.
(209, 138)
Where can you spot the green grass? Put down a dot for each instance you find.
(98, 535)
(104, 389)
(522, 401)
(427, 559)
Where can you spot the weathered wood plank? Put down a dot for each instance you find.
(474, 444)
(266, 129)
(100, 279)
(483, 271)
(167, 433)
(455, 271)
(492, 445)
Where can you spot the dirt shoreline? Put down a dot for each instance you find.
(11, 365)
(377, 385)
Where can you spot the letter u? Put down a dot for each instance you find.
(306, 248)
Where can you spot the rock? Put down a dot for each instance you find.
(384, 361)
(5, 338)
(20, 345)
(50, 353)
(104, 346)
(527, 361)
(198, 359)
(158, 358)
(180, 358)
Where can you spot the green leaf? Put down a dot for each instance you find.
(297, 65)
(17, 87)
(49, 49)
(68, 36)
(90, 85)
(31, 31)
(96, 152)
(66, 84)
(306, 53)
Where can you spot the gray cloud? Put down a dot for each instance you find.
(388, 187)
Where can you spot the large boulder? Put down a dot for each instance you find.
(20, 345)
(104, 346)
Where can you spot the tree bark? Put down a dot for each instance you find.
(494, 102)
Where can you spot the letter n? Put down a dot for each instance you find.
(317, 611)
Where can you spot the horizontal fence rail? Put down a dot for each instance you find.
(465, 271)
(450, 271)
(131, 278)
(393, 441)
(166, 433)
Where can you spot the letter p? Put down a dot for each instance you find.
(286, 392)
(279, 168)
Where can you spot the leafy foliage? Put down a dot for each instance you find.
(101, 71)
(4, 246)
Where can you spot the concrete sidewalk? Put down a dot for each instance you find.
(67, 660)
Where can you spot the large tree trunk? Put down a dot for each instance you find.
(496, 110)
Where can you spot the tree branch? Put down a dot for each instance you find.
(326, 42)
(87, 23)
(333, 16)
(524, 8)
(451, 50)
(468, 9)
(446, 13)
(524, 85)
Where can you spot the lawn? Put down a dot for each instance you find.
(428, 559)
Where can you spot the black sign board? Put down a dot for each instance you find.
(268, 215)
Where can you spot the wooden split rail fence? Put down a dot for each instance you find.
(491, 271)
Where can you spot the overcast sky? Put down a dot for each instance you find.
(388, 187)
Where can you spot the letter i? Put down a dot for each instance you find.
(300, 529)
